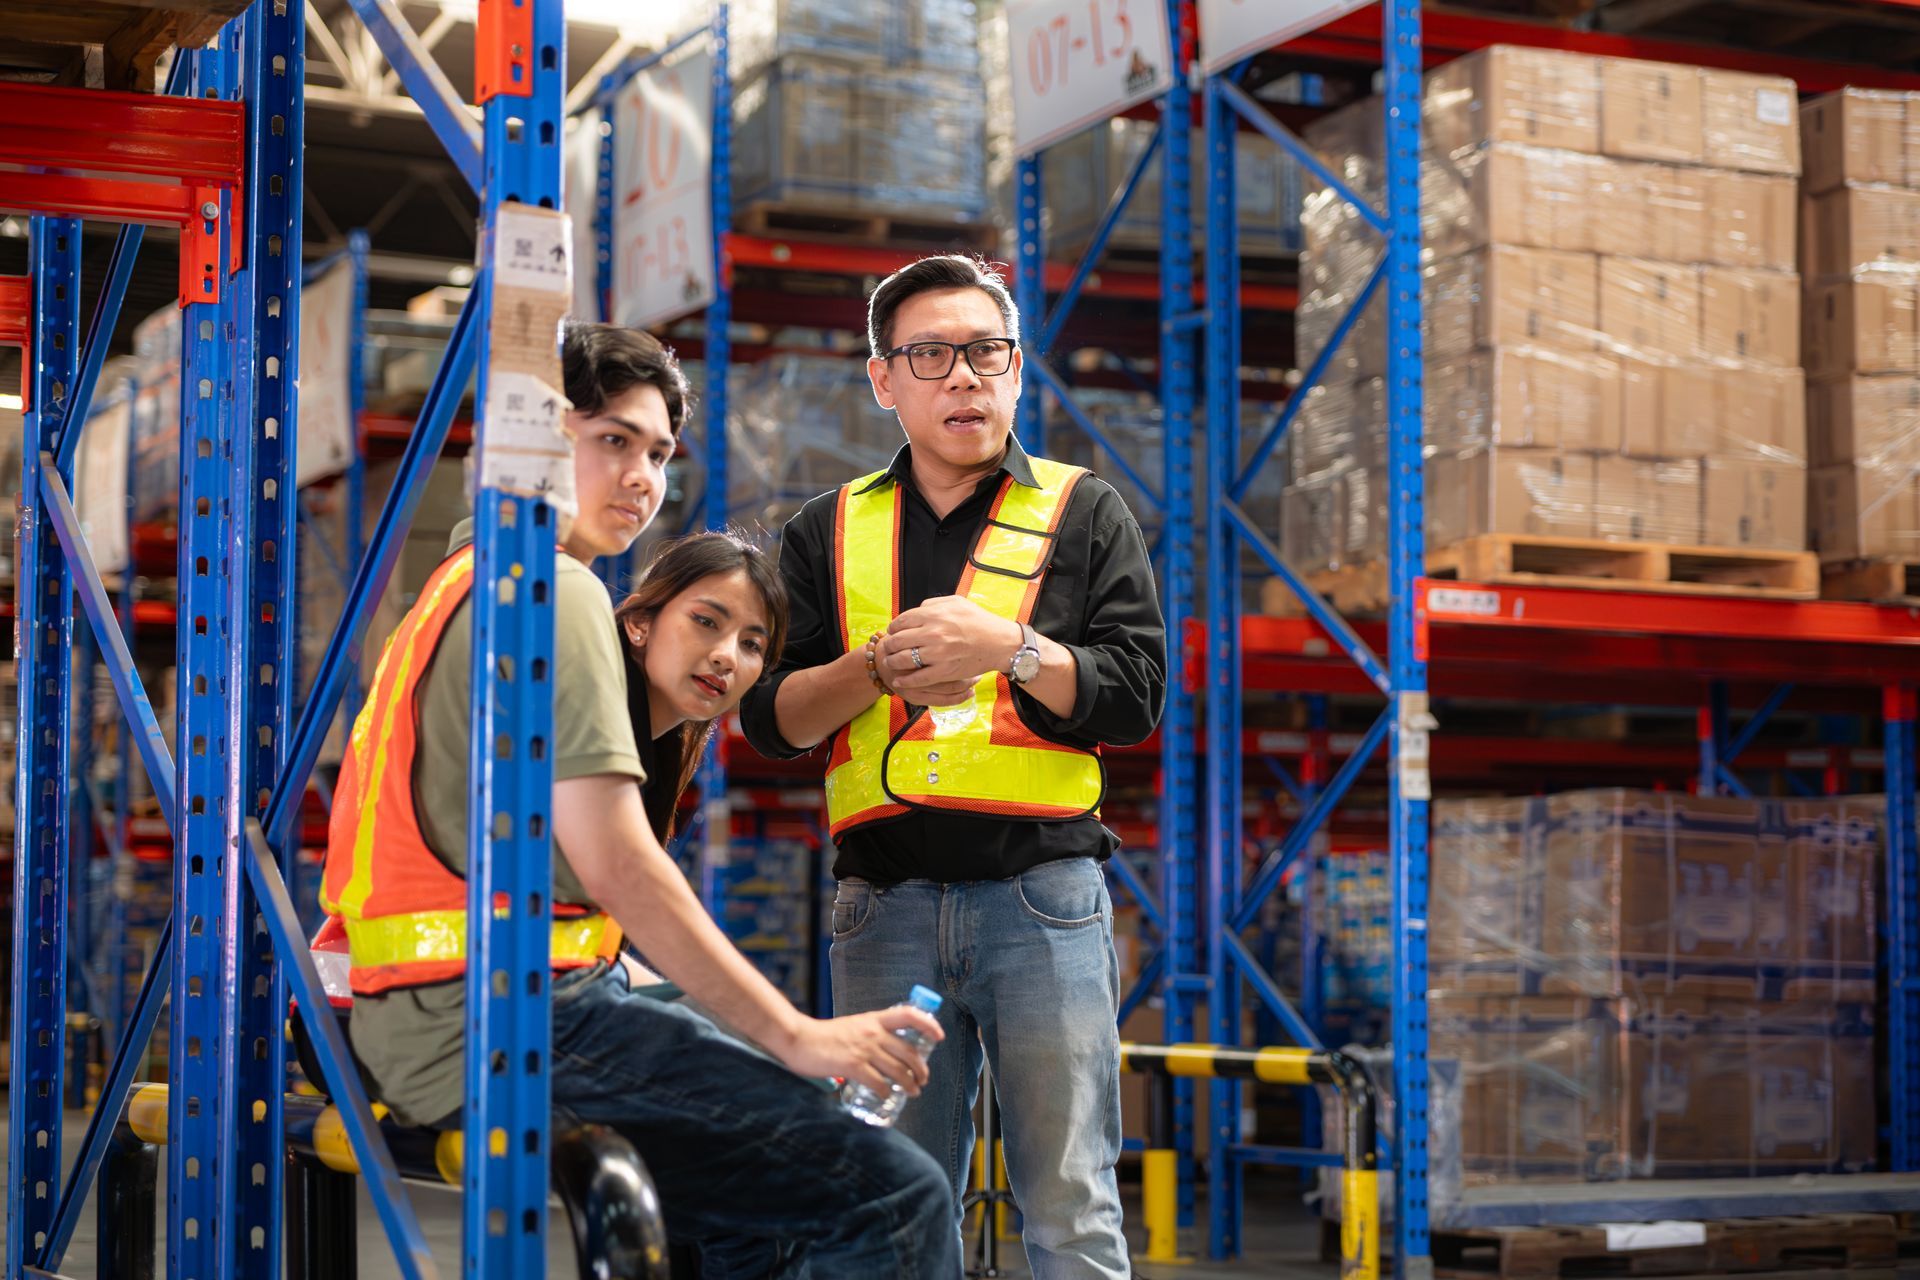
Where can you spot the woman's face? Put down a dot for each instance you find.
(704, 649)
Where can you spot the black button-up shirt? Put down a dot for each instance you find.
(1098, 600)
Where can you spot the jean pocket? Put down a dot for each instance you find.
(853, 908)
(1068, 894)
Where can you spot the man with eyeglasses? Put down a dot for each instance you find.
(970, 626)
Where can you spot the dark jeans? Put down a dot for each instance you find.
(765, 1170)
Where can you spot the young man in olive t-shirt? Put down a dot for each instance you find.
(736, 1143)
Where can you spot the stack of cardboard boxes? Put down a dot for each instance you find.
(1612, 316)
(1636, 984)
(1861, 253)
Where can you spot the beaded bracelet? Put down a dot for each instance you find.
(873, 666)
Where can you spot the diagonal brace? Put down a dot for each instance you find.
(1120, 869)
(1311, 822)
(1056, 318)
(1305, 156)
(1064, 394)
(1323, 613)
(1270, 994)
(426, 84)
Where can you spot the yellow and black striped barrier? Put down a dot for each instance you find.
(1360, 1181)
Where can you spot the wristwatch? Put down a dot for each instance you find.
(1026, 659)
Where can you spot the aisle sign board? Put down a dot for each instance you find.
(326, 433)
(1075, 62)
(1233, 29)
(662, 205)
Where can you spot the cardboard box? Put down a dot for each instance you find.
(1856, 230)
(1865, 420)
(1761, 505)
(1642, 501)
(1515, 195)
(1864, 325)
(1751, 122)
(1750, 316)
(1524, 491)
(1507, 296)
(1854, 135)
(1750, 219)
(1651, 110)
(1669, 408)
(1760, 415)
(1653, 211)
(1861, 512)
(1650, 307)
(1504, 93)
(1527, 397)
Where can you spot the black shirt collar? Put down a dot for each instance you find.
(1016, 464)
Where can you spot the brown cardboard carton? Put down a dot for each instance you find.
(1871, 421)
(1656, 211)
(1646, 501)
(1650, 307)
(1860, 512)
(1650, 110)
(1507, 296)
(1760, 415)
(1863, 325)
(1854, 135)
(1662, 1126)
(1640, 415)
(1485, 897)
(1551, 1083)
(1750, 219)
(1689, 422)
(1750, 122)
(1531, 491)
(1541, 97)
(1834, 871)
(1761, 505)
(1531, 397)
(1751, 316)
(1855, 230)
(1508, 194)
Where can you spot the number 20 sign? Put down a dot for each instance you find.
(662, 208)
(1077, 61)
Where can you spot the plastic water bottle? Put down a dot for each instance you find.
(882, 1110)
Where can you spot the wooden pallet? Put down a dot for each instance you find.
(1523, 560)
(1831, 1242)
(102, 44)
(1881, 581)
(836, 224)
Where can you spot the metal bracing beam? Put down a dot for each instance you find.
(426, 84)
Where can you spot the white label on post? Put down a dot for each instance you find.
(526, 448)
(531, 249)
(1232, 29)
(325, 437)
(1077, 61)
(1455, 600)
(662, 202)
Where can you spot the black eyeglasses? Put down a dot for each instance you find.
(988, 357)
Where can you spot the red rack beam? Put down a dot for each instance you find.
(103, 149)
(1448, 33)
(810, 255)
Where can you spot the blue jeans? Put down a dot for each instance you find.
(765, 1170)
(1028, 973)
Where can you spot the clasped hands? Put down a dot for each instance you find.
(957, 642)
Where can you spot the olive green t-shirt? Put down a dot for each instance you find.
(412, 1041)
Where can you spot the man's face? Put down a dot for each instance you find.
(962, 419)
(619, 470)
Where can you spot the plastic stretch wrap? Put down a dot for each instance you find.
(1082, 173)
(156, 417)
(1639, 984)
(1613, 325)
(867, 137)
(925, 33)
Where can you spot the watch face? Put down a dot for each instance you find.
(1026, 665)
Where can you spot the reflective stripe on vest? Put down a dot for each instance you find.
(404, 911)
(885, 762)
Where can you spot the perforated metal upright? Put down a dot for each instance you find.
(1404, 723)
(42, 818)
(522, 85)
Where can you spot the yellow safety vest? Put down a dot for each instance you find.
(889, 760)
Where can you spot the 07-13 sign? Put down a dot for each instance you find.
(662, 197)
(1078, 61)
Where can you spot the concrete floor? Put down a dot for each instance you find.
(1283, 1235)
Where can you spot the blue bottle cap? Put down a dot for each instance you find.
(924, 1000)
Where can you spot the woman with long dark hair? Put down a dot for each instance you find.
(708, 617)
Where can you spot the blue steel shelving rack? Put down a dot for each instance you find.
(234, 796)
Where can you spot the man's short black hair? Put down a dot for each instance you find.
(604, 361)
(946, 271)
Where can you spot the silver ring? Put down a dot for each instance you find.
(914, 653)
